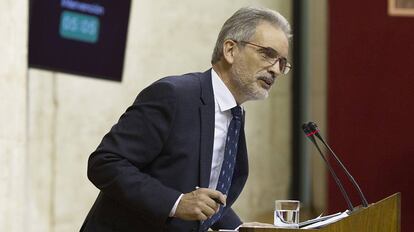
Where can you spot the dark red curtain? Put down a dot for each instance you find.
(371, 101)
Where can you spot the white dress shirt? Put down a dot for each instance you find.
(223, 102)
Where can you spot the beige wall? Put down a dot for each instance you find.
(13, 115)
(317, 44)
(55, 120)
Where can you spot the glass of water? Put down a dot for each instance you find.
(286, 214)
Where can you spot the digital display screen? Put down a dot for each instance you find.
(81, 37)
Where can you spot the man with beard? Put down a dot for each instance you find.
(177, 159)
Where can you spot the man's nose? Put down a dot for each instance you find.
(275, 69)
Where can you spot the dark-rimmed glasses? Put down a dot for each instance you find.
(271, 56)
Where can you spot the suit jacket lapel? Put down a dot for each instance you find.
(207, 119)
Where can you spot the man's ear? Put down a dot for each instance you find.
(229, 50)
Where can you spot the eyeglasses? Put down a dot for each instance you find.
(272, 56)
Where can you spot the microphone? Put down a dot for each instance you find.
(310, 134)
(313, 128)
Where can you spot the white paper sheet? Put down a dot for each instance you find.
(327, 222)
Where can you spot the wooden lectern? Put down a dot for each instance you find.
(383, 216)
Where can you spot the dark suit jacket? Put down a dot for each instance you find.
(161, 147)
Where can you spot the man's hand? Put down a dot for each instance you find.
(199, 204)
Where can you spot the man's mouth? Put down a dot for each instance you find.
(268, 82)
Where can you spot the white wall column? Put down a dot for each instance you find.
(13, 115)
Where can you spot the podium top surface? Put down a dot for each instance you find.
(382, 216)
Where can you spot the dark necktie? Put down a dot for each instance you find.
(229, 161)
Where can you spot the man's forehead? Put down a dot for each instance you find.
(269, 35)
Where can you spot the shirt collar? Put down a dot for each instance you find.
(222, 94)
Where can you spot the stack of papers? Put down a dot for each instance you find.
(322, 221)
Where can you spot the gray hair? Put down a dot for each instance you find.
(242, 26)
